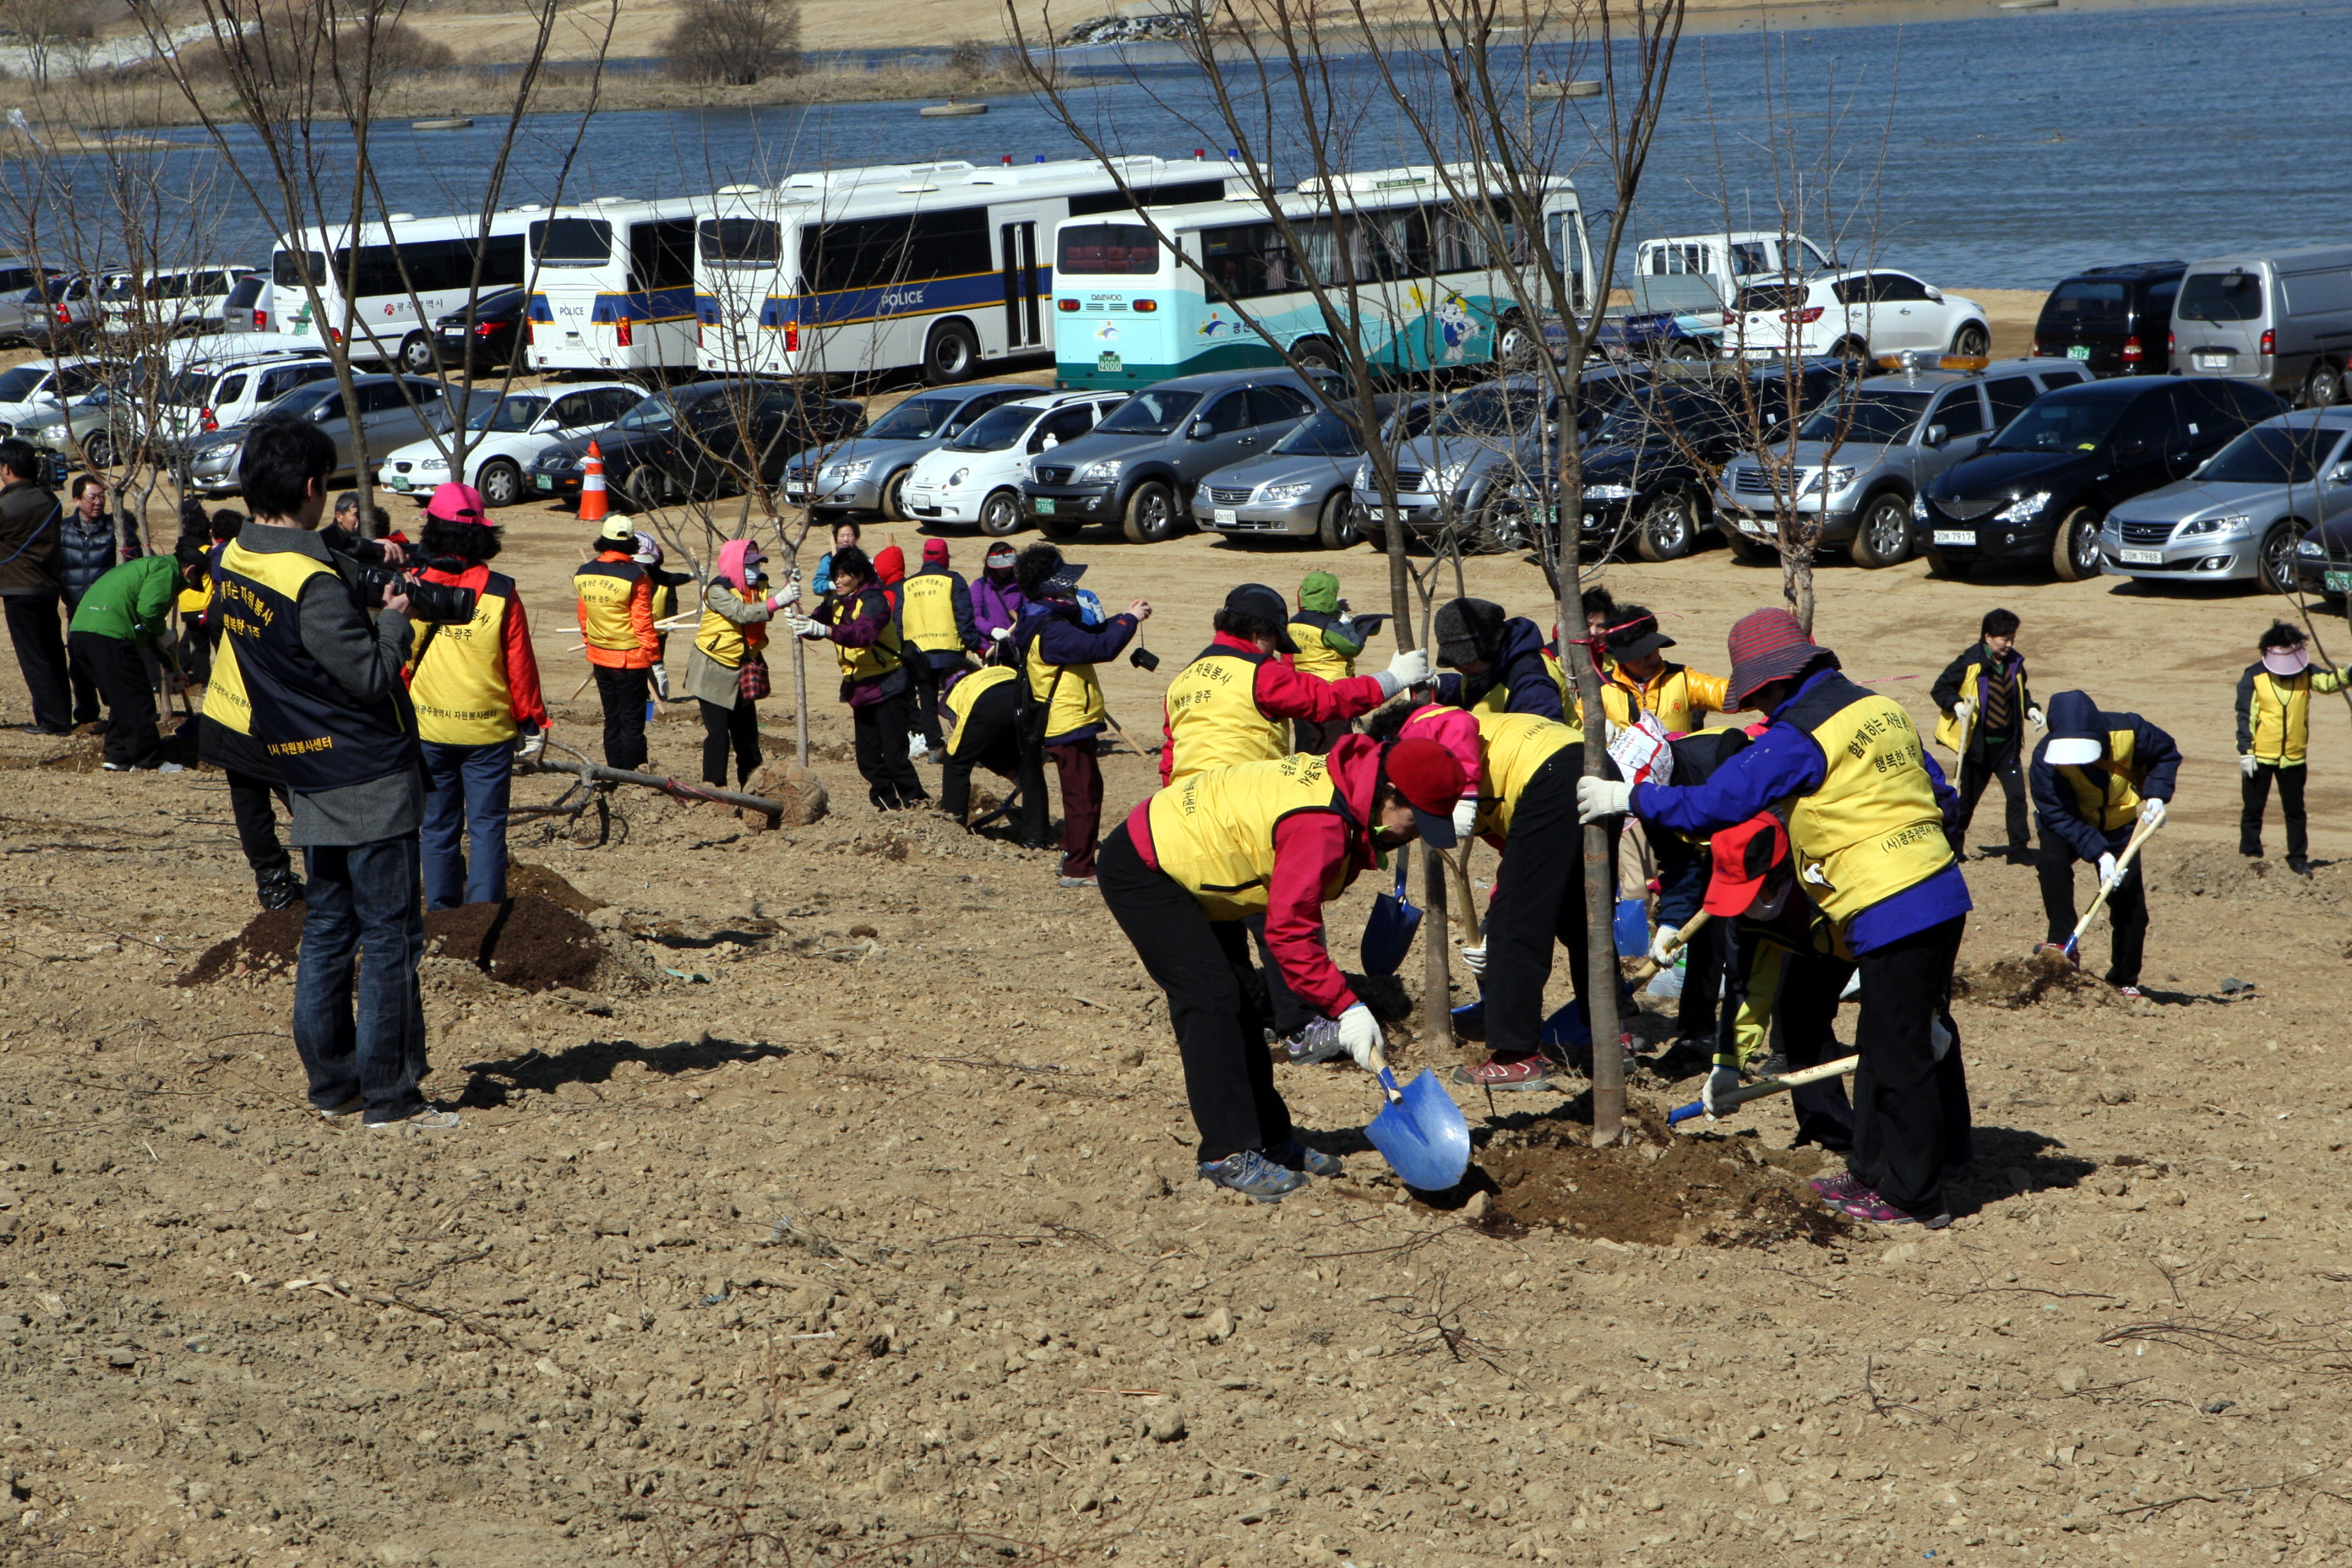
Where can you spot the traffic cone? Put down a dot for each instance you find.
(592, 487)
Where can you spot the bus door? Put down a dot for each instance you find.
(1024, 317)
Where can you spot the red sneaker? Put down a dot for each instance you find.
(1518, 1072)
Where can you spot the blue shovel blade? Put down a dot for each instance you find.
(1423, 1136)
(1388, 935)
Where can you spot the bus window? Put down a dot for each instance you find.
(876, 253)
(1246, 260)
(571, 241)
(1108, 250)
(661, 255)
(288, 267)
(740, 241)
(1562, 233)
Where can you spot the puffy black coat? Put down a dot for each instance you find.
(89, 552)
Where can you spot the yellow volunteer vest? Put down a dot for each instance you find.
(967, 695)
(866, 663)
(2282, 718)
(1511, 747)
(605, 589)
(458, 680)
(665, 600)
(1214, 833)
(1315, 656)
(1872, 827)
(225, 703)
(191, 601)
(721, 640)
(929, 614)
(2116, 803)
(1076, 702)
(1212, 715)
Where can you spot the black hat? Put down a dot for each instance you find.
(1260, 603)
(1468, 630)
(1635, 634)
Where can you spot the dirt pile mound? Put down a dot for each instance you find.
(527, 877)
(266, 947)
(794, 788)
(2014, 983)
(2218, 871)
(1660, 1190)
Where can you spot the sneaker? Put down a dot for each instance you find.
(1254, 1175)
(349, 1107)
(1835, 1189)
(1296, 1156)
(1866, 1206)
(2298, 863)
(115, 767)
(2131, 993)
(1772, 1065)
(1077, 882)
(171, 767)
(1317, 1042)
(1520, 1072)
(428, 1119)
(2254, 854)
(43, 730)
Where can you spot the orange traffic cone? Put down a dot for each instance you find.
(592, 487)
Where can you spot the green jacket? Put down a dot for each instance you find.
(128, 602)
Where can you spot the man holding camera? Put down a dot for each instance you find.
(329, 706)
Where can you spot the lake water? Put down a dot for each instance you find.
(1998, 151)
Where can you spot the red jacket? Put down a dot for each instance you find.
(1283, 691)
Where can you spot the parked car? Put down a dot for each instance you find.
(1138, 467)
(71, 302)
(165, 302)
(493, 335)
(866, 474)
(2242, 514)
(2043, 486)
(1683, 286)
(2285, 321)
(25, 316)
(393, 410)
(1304, 488)
(1852, 315)
(507, 434)
(31, 394)
(211, 391)
(246, 309)
(2113, 320)
(1860, 458)
(975, 477)
(96, 429)
(692, 440)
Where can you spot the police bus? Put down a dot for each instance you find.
(402, 275)
(614, 289)
(1130, 313)
(937, 266)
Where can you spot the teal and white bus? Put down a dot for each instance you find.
(1129, 313)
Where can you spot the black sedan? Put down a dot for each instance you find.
(492, 335)
(2043, 486)
(702, 440)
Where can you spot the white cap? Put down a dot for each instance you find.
(2079, 752)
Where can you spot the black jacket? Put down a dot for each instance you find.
(89, 552)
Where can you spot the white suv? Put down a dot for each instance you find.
(976, 476)
(213, 390)
(509, 434)
(1853, 315)
(166, 303)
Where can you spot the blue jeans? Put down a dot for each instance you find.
(467, 790)
(362, 898)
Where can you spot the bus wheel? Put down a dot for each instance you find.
(500, 482)
(1515, 346)
(417, 354)
(1316, 356)
(1150, 513)
(1000, 514)
(952, 354)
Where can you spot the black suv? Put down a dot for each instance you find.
(2040, 489)
(691, 441)
(2117, 320)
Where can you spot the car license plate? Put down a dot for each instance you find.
(2214, 362)
(2338, 582)
(546, 481)
(1391, 516)
(795, 492)
(1956, 536)
(1227, 517)
(1042, 505)
(1753, 529)
(2079, 351)
(399, 481)
(2140, 557)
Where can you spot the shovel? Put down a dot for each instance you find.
(1388, 934)
(2123, 864)
(1649, 967)
(1422, 1133)
(1781, 1085)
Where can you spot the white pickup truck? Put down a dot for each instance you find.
(1682, 284)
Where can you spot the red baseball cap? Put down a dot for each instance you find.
(1431, 779)
(1744, 855)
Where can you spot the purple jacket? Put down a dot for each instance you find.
(1053, 626)
(862, 626)
(995, 603)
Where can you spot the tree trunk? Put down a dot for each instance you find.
(1796, 584)
(800, 701)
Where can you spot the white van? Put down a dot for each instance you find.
(213, 394)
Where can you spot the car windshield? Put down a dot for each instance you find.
(18, 384)
(1153, 412)
(917, 419)
(1758, 298)
(2060, 424)
(2220, 297)
(1866, 419)
(996, 430)
(2272, 455)
(652, 414)
(1326, 435)
(1637, 418)
(520, 413)
(1492, 410)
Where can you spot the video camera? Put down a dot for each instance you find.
(439, 603)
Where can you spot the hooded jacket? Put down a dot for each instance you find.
(1055, 628)
(1522, 666)
(2151, 767)
(728, 602)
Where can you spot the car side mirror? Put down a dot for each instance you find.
(1935, 296)
(545, 428)
(2341, 474)
(1200, 430)
(2127, 450)
(1934, 435)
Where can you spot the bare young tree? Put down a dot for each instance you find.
(735, 43)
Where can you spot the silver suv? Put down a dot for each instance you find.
(1861, 457)
(2244, 510)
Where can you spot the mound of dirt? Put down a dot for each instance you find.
(527, 876)
(2218, 871)
(531, 942)
(794, 788)
(1663, 1190)
(2014, 983)
(266, 946)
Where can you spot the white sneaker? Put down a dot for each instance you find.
(426, 1120)
(171, 768)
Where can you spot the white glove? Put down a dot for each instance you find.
(2246, 766)
(661, 680)
(1002, 634)
(1408, 668)
(1665, 945)
(528, 749)
(1939, 1038)
(1722, 1081)
(2036, 715)
(792, 593)
(2108, 875)
(801, 625)
(1597, 798)
(1964, 710)
(1360, 1033)
(2151, 814)
(1466, 816)
(1474, 959)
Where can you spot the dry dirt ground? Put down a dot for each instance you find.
(834, 1204)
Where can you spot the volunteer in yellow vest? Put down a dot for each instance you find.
(2096, 776)
(983, 730)
(734, 633)
(857, 619)
(1519, 793)
(1865, 806)
(225, 738)
(1064, 714)
(1278, 839)
(616, 627)
(935, 618)
(1504, 663)
(1986, 702)
(476, 690)
(662, 606)
(1330, 637)
(1680, 696)
(2273, 736)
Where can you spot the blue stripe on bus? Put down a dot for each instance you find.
(646, 305)
(847, 307)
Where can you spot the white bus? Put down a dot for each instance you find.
(615, 290)
(411, 271)
(941, 266)
(1131, 314)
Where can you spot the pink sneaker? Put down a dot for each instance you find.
(1519, 1072)
(1834, 1189)
(1865, 1204)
